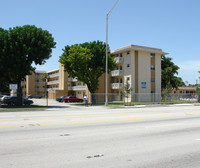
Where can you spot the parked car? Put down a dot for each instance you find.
(12, 100)
(2, 98)
(72, 99)
(34, 96)
(60, 99)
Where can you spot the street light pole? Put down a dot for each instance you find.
(106, 95)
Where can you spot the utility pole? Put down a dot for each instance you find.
(106, 95)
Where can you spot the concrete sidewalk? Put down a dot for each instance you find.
(55, 104)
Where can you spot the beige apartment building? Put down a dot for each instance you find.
(139, 65)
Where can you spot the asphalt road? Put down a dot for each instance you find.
(98, 137)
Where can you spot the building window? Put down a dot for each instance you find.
(152, 67)
(128, 52)
(127, 78)
(128, 65)
(121, 55)
(153, 55)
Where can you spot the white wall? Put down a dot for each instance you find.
(144, 71)
(129, 71)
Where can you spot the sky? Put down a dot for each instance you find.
(171, 25)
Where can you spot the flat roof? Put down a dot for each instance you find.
(139, 48)
(38, 71)
(187, 88)
(53, 70)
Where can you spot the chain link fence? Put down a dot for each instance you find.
(119, 98)
(146, 97)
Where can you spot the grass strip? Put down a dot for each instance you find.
(22, 108)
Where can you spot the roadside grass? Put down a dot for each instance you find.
(148, 104)
(22, 108)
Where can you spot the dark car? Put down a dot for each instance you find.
(59, 99)
(72, 99)
(34, 96)
(12, 100)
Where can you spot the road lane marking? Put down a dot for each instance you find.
(92, 121)
(105, 115)
(42, 118)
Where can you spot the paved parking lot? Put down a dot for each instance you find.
(50, 102)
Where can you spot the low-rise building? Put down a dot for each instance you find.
(139, 65)
(185, 90)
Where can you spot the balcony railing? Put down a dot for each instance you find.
(118, 60)
(55, 88)
(117, 86)
(53, 82)
(72, 80)
(77, 87)
(54, 75)
(117, 73)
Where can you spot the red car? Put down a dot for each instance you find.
(72, 99)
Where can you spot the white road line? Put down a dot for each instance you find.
(168, 125)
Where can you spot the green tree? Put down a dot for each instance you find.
(20, 48)
(127, 91)
(167, 91)
(197, 92)
(169, 72)
(6, 77)
(86, 62)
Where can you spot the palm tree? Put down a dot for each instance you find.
(45, 76)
